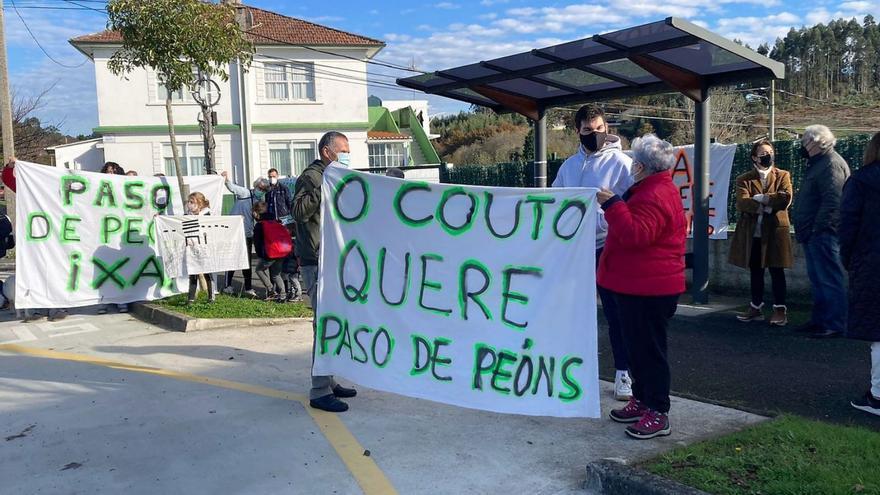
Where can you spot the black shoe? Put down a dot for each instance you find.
(329, 403)
(867, 403)
(825, 334)
(807, 328)
(344, 393)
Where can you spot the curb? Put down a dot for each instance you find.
(609, 477)
(177, 322)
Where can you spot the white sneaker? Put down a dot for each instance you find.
(251, 293)
(228, 290)
(622, 386)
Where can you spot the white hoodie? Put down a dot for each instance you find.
(609, 167)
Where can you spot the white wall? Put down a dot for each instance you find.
(86, 155)
(133, 100)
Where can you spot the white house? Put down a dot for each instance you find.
(305, 80)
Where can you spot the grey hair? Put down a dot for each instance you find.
(329, 139)
(821, 135)
(654, 153)
(261, 183)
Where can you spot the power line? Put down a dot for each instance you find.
(41, 46)
(85, 6)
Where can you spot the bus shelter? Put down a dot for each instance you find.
(672, 55)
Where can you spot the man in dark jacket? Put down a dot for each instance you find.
(277, 200)
(816, 218)
(333, 147)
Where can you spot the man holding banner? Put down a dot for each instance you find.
(601, 163)
(333, 147)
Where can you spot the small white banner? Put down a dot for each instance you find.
(475, 296)
(85, 238)
(189, 245)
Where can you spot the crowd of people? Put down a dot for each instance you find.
(640, 249)
(641, 241)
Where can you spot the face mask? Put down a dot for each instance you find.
(636, 176)
(593, 141)
(273, 180)
(344, 159)
(805, 153)
(765, 161)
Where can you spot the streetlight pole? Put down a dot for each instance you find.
(207, 95)
(772, 100)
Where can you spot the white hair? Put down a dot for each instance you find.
(261, 183)
(821, 135)
(654, 153)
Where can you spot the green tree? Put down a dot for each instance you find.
(177, 38)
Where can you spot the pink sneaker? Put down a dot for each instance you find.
(630, 413)
(652, 424)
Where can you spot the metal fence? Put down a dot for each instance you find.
(851, 148)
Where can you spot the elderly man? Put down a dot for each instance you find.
(816, 217)
(333, 147)
(243, 207)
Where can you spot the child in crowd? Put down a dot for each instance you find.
(290, 273)
(268, 270)
(197, 204)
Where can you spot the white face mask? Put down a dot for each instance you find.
(273, 180)
(344, 159)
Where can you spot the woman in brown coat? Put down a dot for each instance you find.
(762, 238)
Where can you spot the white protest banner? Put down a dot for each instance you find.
(721, 159)
(475, 296)
(189, 245)
(85, 238)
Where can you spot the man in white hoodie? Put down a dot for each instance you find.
(601, 163)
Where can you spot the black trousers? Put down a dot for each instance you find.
(643, 323)
(777, 278)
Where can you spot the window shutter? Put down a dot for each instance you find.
(219, 164)
(316, 84)
(158, 162)
(264, 158)
(152, 83)
(260, 74)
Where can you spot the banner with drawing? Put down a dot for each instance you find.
(721, 159)
(189, 245)
(475, 296)
(85, 238)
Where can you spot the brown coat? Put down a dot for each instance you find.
(775, 230)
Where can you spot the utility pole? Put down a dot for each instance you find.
(772, 99)
(6, 115)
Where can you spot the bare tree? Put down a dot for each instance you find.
(32, 136)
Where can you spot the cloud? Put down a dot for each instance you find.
(447, 5)
(489, 3)
(72, 102)
(756, 30)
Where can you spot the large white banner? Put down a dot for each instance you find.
(85, 238)
(721, 156)
(189, 245)
(475, 296)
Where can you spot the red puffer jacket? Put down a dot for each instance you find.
(644, 251)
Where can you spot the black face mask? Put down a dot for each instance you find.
(804, 153)
(593, 141)
(765, 161)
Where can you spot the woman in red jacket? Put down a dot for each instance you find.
(643, 265)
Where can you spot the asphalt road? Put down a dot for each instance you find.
(755, 367)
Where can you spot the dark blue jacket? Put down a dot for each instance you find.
(860, 251)
(278, 202)
(817, 202)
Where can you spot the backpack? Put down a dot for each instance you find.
(273, 241)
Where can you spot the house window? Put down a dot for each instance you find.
(181, 94)
(291, 157)
(192, 158)
(290, 82)
(388, 155)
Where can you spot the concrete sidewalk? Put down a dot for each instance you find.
(100, 428)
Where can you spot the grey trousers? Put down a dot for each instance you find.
(321, 385)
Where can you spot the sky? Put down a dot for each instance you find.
(425, 35)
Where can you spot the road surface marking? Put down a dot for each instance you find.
(364, 469)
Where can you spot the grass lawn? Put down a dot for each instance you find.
(234, 307)
(788, 455)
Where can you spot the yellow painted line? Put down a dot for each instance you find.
(364, 469)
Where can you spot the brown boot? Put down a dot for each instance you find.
(780, 316)
(752, 314)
